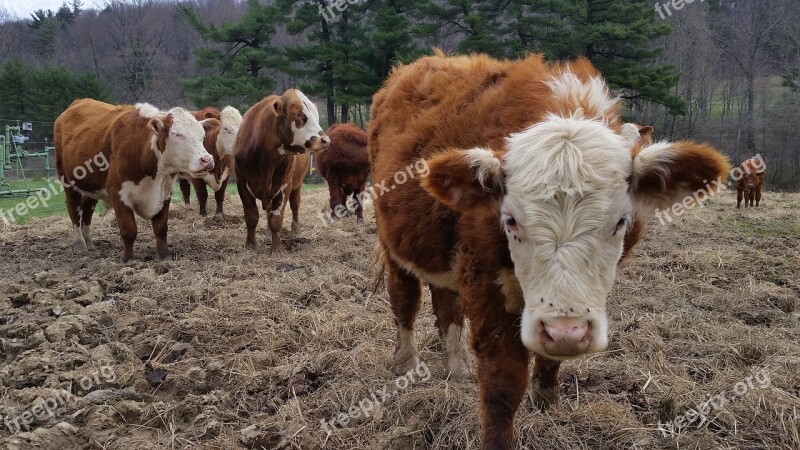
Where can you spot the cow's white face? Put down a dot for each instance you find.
(565, 213)
(183, 151)
(304, 131)
(565, 191)
(230, 122)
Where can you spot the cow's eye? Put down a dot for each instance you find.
(622, 224)
(177, 135)
(510, 222)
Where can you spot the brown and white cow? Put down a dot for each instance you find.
(750, 182)
(345, 166)
(219, 143)
(272, 133)
(145, 150)
(533, 183)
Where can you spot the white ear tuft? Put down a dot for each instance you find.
(488, 168)
(630, 133)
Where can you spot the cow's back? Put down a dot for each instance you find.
(438, 103)
(81, 132)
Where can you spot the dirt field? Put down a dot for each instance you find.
(245, 350)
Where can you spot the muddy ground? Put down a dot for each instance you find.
(225, 348)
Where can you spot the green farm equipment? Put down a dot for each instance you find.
(11, 157)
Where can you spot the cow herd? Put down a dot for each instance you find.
(536, 189)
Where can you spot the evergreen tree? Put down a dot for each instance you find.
(614, 34)
(235, 66)
(335, 62)
(29, 93)
(46, 24)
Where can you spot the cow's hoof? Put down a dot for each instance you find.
(405, 363)
(295, 229)
(89, 244)
(459, 367)
(203, 212)
(360, 220)
(163, 254)
(79, 247)
(543, 397)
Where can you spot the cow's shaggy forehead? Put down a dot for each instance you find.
(572, 155)
(308, 107)
(184, 122)
(231, 116)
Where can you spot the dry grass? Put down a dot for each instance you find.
(259, 349)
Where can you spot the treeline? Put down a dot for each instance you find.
(723, 71)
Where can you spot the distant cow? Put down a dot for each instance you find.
(145, 149)
(345, 166)
(533, 184)
(750, 182)
(273, 131)
(219, 143)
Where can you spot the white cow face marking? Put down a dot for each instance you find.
(304, 128)
(565, 214)
(182, 136)
(230, 122)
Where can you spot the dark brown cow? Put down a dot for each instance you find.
(129, 156)
(273, 131)
(219, 143)
(532, 184)
(345, 166)
(750, 181)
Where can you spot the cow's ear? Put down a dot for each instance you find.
(210, 124)
(156, 125)
(466, 180)
(646, 131)
(668, 173)
(209, 115)
(279, 107)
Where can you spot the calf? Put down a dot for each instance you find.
(533, 184)
(219, 143)
(750, 182)
(145, 150)
(272, 133)
(345, 166)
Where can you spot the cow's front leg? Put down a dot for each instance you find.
(358, 197)
(335, 192)
(544, 383)
(127, 228)
(758, 196)
(739, 197)
(502, 375)
(159, 222)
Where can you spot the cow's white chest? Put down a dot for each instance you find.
(146, 198)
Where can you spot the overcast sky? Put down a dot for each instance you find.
(24, 8)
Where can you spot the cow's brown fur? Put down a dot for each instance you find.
(345, 166)
(425, 111)
(262, 172)
(750, 183)
(221, 163)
